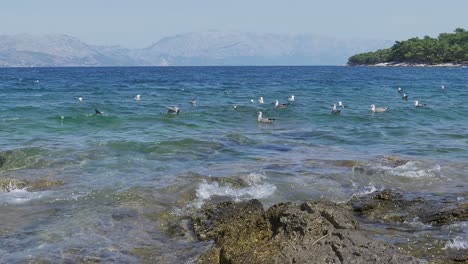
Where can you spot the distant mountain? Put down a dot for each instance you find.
(206, 48)
(58, 50)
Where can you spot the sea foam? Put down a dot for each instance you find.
(256, 188)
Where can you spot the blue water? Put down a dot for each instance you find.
(128, 171)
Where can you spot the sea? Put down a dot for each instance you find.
(118, 184)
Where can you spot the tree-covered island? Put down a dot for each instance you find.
(446, 48)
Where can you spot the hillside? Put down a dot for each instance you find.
(446, 48)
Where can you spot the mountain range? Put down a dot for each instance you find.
(202, 48)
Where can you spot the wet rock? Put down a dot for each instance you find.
(454, 213)
(393, 161)
(313, 232)
(9, 184)
(388, 206)
(43, 184)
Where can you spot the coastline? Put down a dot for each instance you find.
(422, 65)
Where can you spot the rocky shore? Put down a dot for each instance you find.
(319, 232)
(405, 64)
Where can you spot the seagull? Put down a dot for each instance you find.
(261, 119)
(404, 97)
(418, 104)
(80, 99)
(292, 98)
(280, 106)
(251, 100)
(400, 90)
(173, 110)
(226, 92)
(137, 97)
(340, 104)
(442, 87)
(234, 107)
(260, 100)
(334, 110)
(378, 109)
(97, 112)
(194, 102)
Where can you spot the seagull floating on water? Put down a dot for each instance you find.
(251, 100)
(194, 102)
(442, 87)
(280, 106)
(418, 104)
(260, 100)
(400, 90)
(404, 97)
(262, 119)
(340, 104)
(173, 110)
(137, 97)
(291, 98)
(80, 99)
(334, 110)
(378, 109)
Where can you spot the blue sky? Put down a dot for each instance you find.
(139, 23)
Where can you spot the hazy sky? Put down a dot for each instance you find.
(139, 23)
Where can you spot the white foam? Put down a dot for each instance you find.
(367, 190)
(459, 242)
(416, 222)
(412, 169)
(19, 196)
(256, 189)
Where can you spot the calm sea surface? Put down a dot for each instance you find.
(129, 172)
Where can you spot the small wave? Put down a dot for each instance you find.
(459, 242)
(20, 196)
(411, 169)
(367, 190)
(256, 189)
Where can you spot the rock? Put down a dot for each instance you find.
(9, 184)
(43, 184)
(388, 206)
(313, 232)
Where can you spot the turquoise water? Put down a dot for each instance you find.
(129, 170)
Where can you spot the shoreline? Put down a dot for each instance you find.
(422, 65)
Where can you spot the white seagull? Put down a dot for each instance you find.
(80, 99)
(194, 102)
(137, 97)
(334, 110)
(340, 104)
(173, 110)
(442, 87)
(292, 98)
(261, 119)
(404, 97)
(378, 109)
(251, 100)
(260, 100)
(400, 90)
(280, 106)
(418, 104)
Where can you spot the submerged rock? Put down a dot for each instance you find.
(313, 232)
(388, 206)
(9, 184)
(43, 185)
